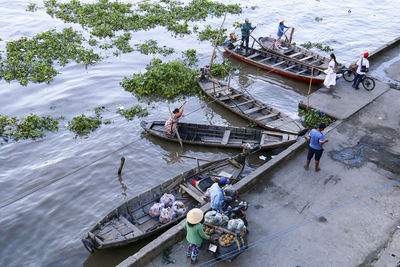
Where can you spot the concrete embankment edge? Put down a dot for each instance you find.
(383, 48)
(177, 233)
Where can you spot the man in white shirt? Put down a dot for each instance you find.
(362, 66)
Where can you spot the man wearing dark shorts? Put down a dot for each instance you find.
(315, 148)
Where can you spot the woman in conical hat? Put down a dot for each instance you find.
(195, 233)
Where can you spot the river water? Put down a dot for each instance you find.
(45, 227)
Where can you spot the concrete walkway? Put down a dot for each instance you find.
(341, 101)
(332, 217)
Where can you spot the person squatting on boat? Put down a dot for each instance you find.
(362, 66)
(316, 143)
(219, 201)
(330, 78)
(195, 233)
(172, 123)
(281, 29)
(246, 28)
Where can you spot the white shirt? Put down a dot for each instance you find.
(365, 62)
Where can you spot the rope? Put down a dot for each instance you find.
(283, 232)
(51, 181)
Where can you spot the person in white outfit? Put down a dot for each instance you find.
(330, 78)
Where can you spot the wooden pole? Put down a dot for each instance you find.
(216, 41)
(213, 86)
(291, 36)
(198, 165)
(176, 129)
(121, 165)
(229, 82)
(309, 88)
(183, 156)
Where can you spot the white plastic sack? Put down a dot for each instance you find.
(236, 225)
(167, 215)
(179, 208)
(215, 218)
(167, 200)
(228, 190)
(155, 210)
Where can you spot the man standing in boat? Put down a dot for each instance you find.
(281, 29)
(246, 28)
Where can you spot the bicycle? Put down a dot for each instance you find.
(349, 74)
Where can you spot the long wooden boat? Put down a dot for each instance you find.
(220, 136)
(131, 221)
(276, 63)
(296, 53)
(247, 107)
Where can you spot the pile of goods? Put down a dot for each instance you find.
(208, 230)
(226, 239)
(237, 226)
(228, 190)
(216, 218)
(167, 209)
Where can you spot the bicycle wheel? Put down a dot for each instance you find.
(349, 75)
(368, 83)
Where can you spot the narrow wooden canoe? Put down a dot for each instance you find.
(247, 107)
(220, 136)
(296, 53)
(276, 63)
(131, 221)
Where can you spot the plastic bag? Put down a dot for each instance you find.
(228, 190)
(179, 208)
(215, 218)
(206, 196)
(167, 215)
(167, 200)
(155, 210)
(236, 225)
(225, 220)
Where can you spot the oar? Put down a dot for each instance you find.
(176, 128)
(183, 156)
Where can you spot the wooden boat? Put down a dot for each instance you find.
(277, 63)
(220, 136)
(131, 221)
(296, 53)
(247, 107)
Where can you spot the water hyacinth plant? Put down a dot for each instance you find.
(32, 59)
(165, 80)
(82, 125)
(136, 110)
(209, 34)
(310, 45)
(312, 118)
(30, 127)
(151, 47)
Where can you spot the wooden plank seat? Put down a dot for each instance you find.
(315, 61)
(271, 115)
(225, 139)
(296, 54)
(133, 227)
(306, 58)
(243, 103)
(253, 56)
(229, 97)
(252, 110)
(192, 193)
(290, 67)
(302, 71)
(265, 59)
(287, 51)
(279, 63)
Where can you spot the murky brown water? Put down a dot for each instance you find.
(45, 228)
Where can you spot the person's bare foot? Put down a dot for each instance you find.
(317, 169)
(305, 167)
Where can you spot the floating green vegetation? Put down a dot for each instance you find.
(136, 110)
(122, 43)
(190, 57)
(105, 17)
(209, 34)
(31, 7)
(166, 80)
(310, 45)
(82, 125)
(31, 127)
(252, 124)
(221, 69)
(318, 19)
(151, 47)
(312, 118)
(31, 59)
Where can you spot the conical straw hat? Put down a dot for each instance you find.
(194, 216)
